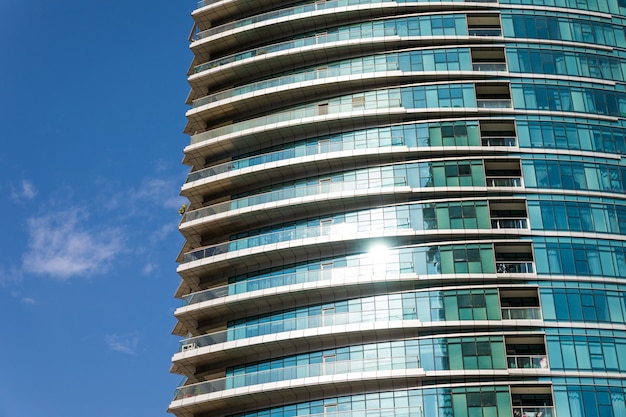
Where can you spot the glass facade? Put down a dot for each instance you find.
(404, 208)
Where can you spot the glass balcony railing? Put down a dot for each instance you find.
(297, 43)
(514, 267)
(504, 181)
(303, 112)
(489, 66)
(274, 281)
(489, 103)
(291, 11)
(413, 411)
(314, 74)
(521, 313)
(278, 195)
(203, 3)
(532, 411)
(509, 223)
(527, 361)
(300, 151)
(484, 31)
(297, 372)
(278, 326)
(337, 230)
(489, 141)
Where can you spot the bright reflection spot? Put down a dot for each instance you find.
(379, 254)
(379, 250)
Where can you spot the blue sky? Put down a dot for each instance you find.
(92, 112)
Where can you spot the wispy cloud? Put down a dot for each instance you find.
(22, 298)
(122, 344)
(162, 233)
(25, 191)
(148, 268)
(162, 192)
(157, 192)
(11, 275)
(62, 245)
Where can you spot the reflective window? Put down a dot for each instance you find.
(483, 401)
(563, 28)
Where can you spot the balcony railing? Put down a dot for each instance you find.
(286, 325)
(485, 31)
(307, 8)
(297, 43)
(335, 229)
(489, 66)
(527, 361)
(273, 281)
(521, 313)
(292, 115)
(509, 223)
(315, 74)
(504, 181)
(278, 195)
(489, 141)
(514, 267)
(203, 3)
(318, 148)
(531, 411)
(493, 103)
(297, 372)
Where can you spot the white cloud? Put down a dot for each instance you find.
(156, 192)
(148, 268)
(62, 246)
(23, 299)
(122, 344)
(26, 191)
(160, 234)
(162, 192)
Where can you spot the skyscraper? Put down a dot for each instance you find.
(404, 208)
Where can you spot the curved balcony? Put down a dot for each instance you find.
(279, 195)
(203, 3)
(289, 116)
(286, 325)
(291, 22)
(332, 282)
(321, 39)
(297, 372)
(311, 75)
(275, 281)
(265, 395)
(334, 230)
(319, 148)
(325, 320)
(291, 11)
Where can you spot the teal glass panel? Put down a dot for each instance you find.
(459, 405)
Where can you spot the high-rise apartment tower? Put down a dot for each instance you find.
(404, 208)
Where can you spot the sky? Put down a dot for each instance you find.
(92, 104)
